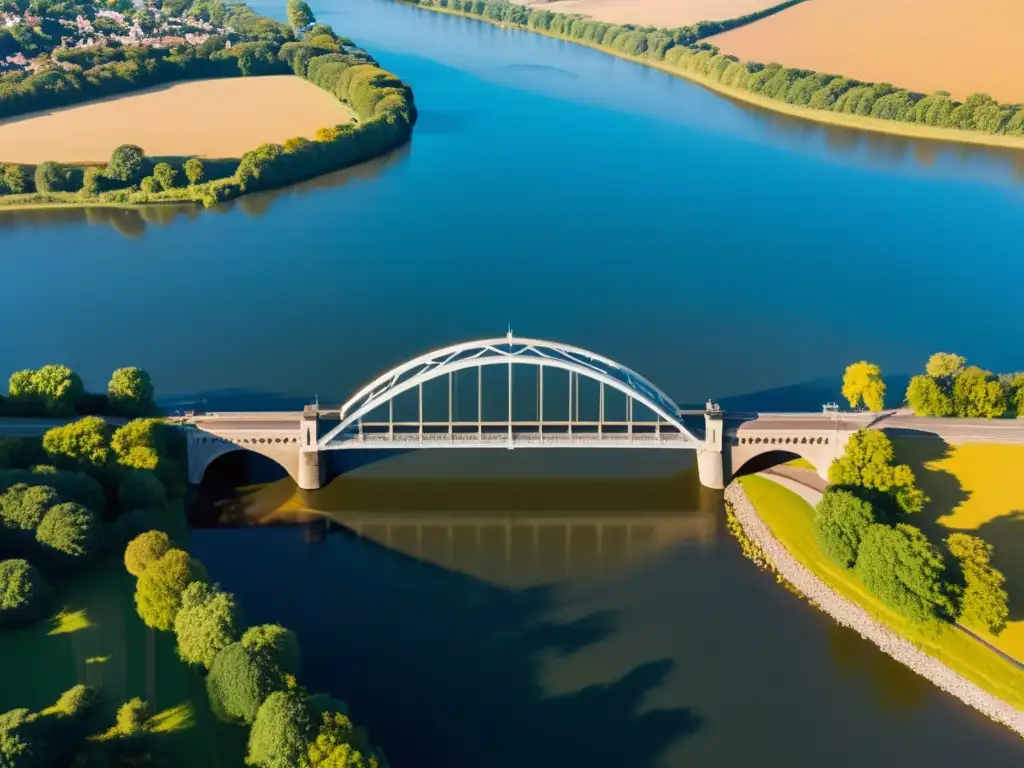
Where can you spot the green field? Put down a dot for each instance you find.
(790, 519)
(95, 637)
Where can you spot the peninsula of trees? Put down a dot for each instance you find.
(233, 42)
(681, 50)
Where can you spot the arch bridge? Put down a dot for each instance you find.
(511, 393)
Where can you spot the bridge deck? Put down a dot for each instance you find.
(513, 440)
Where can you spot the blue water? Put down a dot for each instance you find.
(717, 249)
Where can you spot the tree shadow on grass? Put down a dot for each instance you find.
(1006, 534)
(943, 489)
(447, 670)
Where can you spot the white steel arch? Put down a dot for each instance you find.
(508, 350)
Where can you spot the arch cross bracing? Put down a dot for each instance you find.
(669, 430)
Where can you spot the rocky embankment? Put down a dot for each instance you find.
(850, 615)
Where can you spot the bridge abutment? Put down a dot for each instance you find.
(710, 462)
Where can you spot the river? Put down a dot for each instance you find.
(573, 609)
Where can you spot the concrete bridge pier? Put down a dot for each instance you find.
(710, 462)
(310, 474)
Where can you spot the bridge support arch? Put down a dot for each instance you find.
(310, 474)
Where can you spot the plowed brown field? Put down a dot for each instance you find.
(960, 46)
(209, 118)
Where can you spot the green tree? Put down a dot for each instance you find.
(127, 164)
(150, 185)
(300, 15)
(160, 587)
(277, 641)
(977, 394)
(15, 179)
(207, 623)
(131, 717)
(82, 444)
(194, 170)
(69, 535)
(53, 389)
(863, 382)
(140, 489)
(22, 508)
(24, 593)
(867, 463)
(840, 522)
(144, 550)
(339, 744)
(903, 570)
(139, 444)
(51, 177)
(92, 181)
(984, 602)
(927, 398)
(130, 392)
(944, 365)
(166, 175)
(240, 681)
(281, 732)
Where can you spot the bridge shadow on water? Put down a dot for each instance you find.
(450, 674)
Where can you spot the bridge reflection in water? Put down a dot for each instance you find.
(512, 532)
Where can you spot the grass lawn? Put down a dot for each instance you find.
(977, 488)
(95, 637)
(790, 519)
(801, 464)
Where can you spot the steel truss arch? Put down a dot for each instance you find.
(507, 350)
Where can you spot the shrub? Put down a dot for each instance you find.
(904, 571)
(24, 593)
(15, 179)
(51, 177)
(167, 176)
(82, 444)
(984, 602)
(53, 389)
(74, 702)
(144, 550)
(160, 587)
(130, 391)
(206, 624)
(69, 535)
(131, 717)
(840, 522)
(127, 164)
(277, 641)
(21, 511)
(150, 185)
(140, 489)
(281, 731)
(240, 680)
(194, 170)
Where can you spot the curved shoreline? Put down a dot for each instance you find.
(848, 614)
(822, 117)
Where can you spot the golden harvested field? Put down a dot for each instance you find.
(923, 45)
(977, 488)
(208, 118)
(658, 13)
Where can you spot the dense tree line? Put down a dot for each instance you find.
(680, 49)
(251, 673)
(382, 104)
(861, 523)
(950, 387)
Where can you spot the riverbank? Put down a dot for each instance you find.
(813, 580)
(824, 117)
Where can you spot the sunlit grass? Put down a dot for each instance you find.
(97, 660)
(173, 719)
(790, 519)
(801, 464)
(977, 488)
(68, 621)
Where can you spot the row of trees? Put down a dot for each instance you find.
(861, 524)
(679, 49)
(251, 674)
(56, 390)
(382, 104)
(950, 387)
